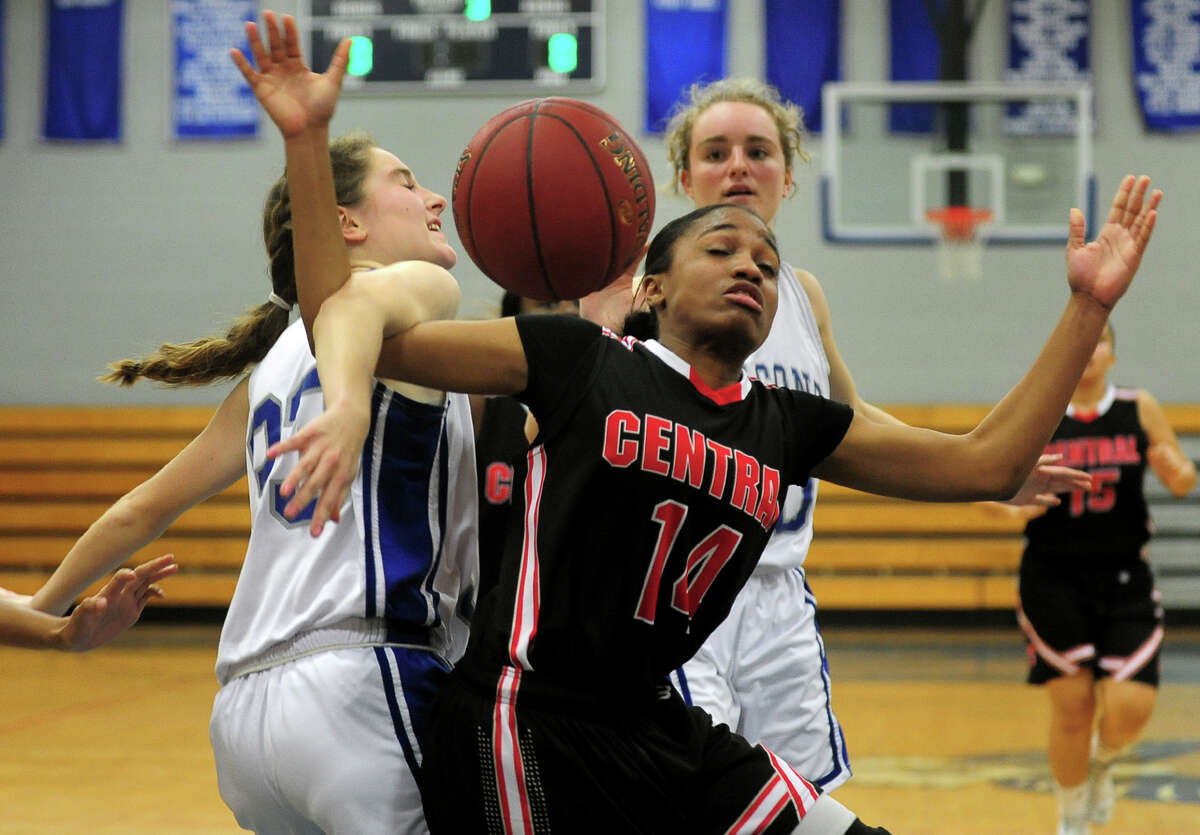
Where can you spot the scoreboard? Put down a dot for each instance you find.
(535, 47)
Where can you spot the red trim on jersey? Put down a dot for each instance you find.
(506, 748)
(722, 397)
(797, 785)
(528, 602)
(1087, 417)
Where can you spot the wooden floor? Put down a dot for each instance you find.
(943, 737)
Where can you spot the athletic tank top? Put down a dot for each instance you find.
(1111, 518)
(792, 357)
(405, 550)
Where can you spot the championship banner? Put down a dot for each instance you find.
(83, 70)
(804, 50)
(685, 44)
(1047, 42)
(915, 56)
(1166, 62)
(211, 99)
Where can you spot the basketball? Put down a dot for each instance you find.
(552, 199)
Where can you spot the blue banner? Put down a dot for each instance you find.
(1166, 61)
(915, 56)
(1047, 42)
(685, 45)
(804, 50)
(83, 70)
(1, 69)
(212, 100)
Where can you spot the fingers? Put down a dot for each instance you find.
(278, 51)
(1116, 213)
(1076, 230)
(339, 62)
(291, 37)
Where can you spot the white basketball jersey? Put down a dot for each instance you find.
(405, 552)
(792, 357)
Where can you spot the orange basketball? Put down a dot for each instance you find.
(552, 199)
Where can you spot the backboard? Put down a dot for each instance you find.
(894, 152)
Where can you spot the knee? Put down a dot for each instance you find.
(1128, 708)
(1073, 705)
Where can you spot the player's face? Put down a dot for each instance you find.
(722, 284)
(399, 219)
(1102, 360)
(736, 157)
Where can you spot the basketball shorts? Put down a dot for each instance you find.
(328, 742)
(1104, 616)
(515, 756)
(763, 672)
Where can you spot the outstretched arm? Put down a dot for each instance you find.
(96, 620)
(301, 104)
(1168, 460)
(213, 460)
(992, 461)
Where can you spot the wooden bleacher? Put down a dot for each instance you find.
(62, 466)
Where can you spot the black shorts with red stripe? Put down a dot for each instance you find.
(1102, 615)
(512, 753)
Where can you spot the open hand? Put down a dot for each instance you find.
(116, 607)
(294, 97)
(330, 446)
(1104, 268)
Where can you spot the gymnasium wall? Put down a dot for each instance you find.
(109, 249)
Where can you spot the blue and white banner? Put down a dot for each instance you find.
(1, 69)
(685, 44)
(212, 100)
(1047, 42)
(83, 70)
(916, 55)
(1166, 61)
(804, 50)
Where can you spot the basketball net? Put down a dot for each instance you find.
(959, 245)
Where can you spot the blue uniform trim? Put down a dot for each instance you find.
(367, 475)
(837, 739)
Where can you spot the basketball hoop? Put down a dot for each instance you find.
(960, 248)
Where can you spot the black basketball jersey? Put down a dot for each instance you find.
(1111, 517)
(644, 505)
(500, 445)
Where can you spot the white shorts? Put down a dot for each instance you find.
(763, 672)
(326, 742)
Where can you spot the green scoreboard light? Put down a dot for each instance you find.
(535, 47)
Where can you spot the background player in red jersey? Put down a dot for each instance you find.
(1088, 604)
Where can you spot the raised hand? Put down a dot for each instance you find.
(1104, 268)
(116, 607)
(294, 96)
(330, 447)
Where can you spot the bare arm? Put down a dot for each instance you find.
(1168, 460)
(301, 104)
(481, 357)
(213, 460)
(991, 462)
(96, 620)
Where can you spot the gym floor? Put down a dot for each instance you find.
(943, 735)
